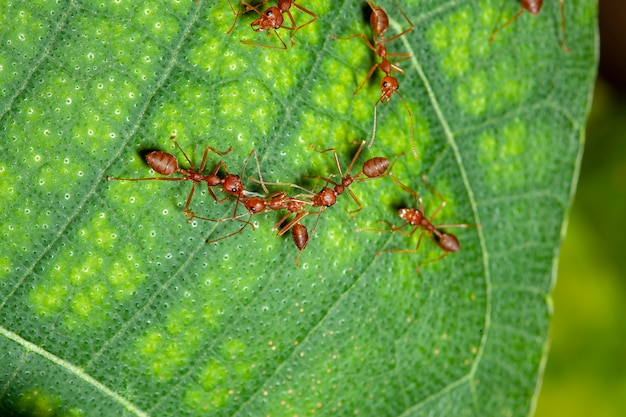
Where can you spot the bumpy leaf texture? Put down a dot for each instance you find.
(112, 304)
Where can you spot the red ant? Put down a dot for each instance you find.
(273, 19)
(167, 164)
(534, 7)
(417, 219)
(372, 168)
(379, 21)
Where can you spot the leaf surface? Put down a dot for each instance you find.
(111, 303)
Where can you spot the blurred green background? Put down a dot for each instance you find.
(586, 370)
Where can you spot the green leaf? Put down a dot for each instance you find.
(111, 303)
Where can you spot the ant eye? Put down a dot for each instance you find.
(269, 13)
(385, 84)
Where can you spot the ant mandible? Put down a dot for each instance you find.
(417, 219)
(273, 19)
(379, 21)
(167, 164)
(534, 7)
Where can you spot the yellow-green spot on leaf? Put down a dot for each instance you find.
(212, 375)
(5, 266)
(76, 276)
(158, 24)
(246, 107)
(338, 97)
(83, 303)
(150, 343)
(457, 62)
(201, 401)
(47, 299)
(36, 403)
(461, 24)
(168, 359)
(438, 35)
(515, 134)
(234, 348)
(488, 147)
(504, 153)
(487, 14)
(168, 347)
(197, 399)
(243, 369)
(203, 49)
(280, 77)
(472, 95)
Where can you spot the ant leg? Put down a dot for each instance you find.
(375, 116)
(419, 267)
(146, 179)
(511, 20)
(369, 75)
(416, 196)
(356, 200)
(404, 32)
(356, 155)
(307, 11)
(230, 234)
(356, 35)
(406, 106)
(284, 47)
(432, 190)
(258, 167)
(291, 223)
(173, 139)
(191, 214)
(393, 229)
(419, 241)
(563, 45)
(293, 27)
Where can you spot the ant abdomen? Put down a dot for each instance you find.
(300, 236)
(162, 162)
(375, 167)
(446, 241)
(379, 21)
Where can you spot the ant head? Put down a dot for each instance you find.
(232, 185)
(272, 18)
(411, 216)
(446, 241)
(254, 205)
(388, 86)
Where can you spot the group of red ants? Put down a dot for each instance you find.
(306, 202)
